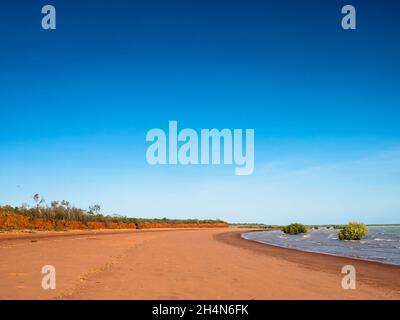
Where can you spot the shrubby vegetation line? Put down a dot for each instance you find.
(60, 215)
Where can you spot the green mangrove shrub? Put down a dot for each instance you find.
(294, 228)
(353, 231)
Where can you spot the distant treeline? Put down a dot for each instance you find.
(254, 225)
(60, 215)
(268, 226)
(328, 226)
(341, 226)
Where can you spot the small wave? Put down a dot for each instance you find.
(379, 239)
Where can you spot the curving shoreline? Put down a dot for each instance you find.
(380, 274)
(243, 235)
(180, 264)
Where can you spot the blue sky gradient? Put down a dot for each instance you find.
(77, 102)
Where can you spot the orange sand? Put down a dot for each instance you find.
(179, 264)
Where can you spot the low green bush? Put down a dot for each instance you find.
(353, 231)
(294, 228)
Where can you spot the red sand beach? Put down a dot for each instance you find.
(179, 264)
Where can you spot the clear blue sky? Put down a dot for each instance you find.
(77, 102)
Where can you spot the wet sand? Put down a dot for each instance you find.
(179, 264)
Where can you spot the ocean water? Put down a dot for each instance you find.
(382, 243)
